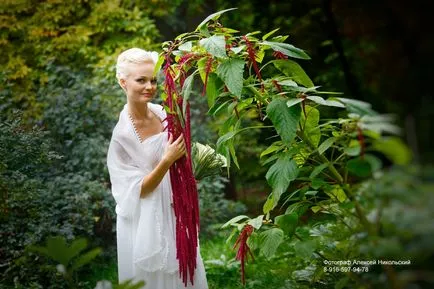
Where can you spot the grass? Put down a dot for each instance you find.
(101, 269)
(223, 271)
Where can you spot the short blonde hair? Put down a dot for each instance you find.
(133, 56)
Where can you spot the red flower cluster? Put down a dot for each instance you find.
(243, 250)
(184, 190)
(279, 55)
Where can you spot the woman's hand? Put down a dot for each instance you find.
(175, 149)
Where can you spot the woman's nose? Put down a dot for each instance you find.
(148, 84)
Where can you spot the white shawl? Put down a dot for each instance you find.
(144, 225)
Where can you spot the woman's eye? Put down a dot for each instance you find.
(142, 80)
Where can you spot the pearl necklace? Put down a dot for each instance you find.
(134, 127)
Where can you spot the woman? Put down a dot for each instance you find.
(139, 158)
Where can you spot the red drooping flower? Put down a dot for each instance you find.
(207, 71)
(252, 59)
(186, 58)
(184, 190)
(243, 249)
(279, 55)
(277, 85)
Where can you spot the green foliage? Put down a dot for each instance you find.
(231, 72)
(306, 178)
(36, 202)
(85, 35)
(271, 239)
(214, 208)
(284, 118)
(293, 70)
(68, 258)
(280, 175)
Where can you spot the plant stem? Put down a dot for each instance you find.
(340, 179)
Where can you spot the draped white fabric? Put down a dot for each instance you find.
(146, 239)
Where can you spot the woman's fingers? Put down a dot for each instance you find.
(179, 139)
(170, 138)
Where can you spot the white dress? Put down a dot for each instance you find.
(145, 227)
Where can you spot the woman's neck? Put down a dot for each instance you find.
(138, 112)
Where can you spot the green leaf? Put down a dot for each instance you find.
(259, 56)
(256, 222)
(375, 162)
(233, 153)
(231, 72)
(357, 106)
(316, 209)
(85, 258)
(288, 82)
(158, 64)
(186, 46)
(212, 88)
(336, 192)
(201, 66)
(305, 249)
(334, 103)
(317, 99)
(310, 123)
(226, 137)
(76, 248)
(271, 239)
(280, 175)
(269, 204)
(353, 148)
(238, 49)
(287, 222)
(217, 107)
(299, 207)
(186, 91)
(317, 170)
(326, 145)
(38, 249)
(382, 128)
(293, 101)
(317, 183)
(254, 241)
(284, 118)
(287, 49)
(234, 220)
(301, 156)
(213, 16)
(311, 193)
(272, 158)
(269, 34)
(359, 167)
(322, 101)
(57, 247)
(272, 148)
(216, 45)
(293, 70)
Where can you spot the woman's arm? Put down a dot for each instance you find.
(173, 152)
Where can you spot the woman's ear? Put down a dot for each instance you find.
(123, 84)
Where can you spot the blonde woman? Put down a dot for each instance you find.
(139, 158)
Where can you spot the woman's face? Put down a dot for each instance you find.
(140, 85)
